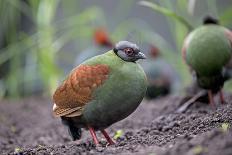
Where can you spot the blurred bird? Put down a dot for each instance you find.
(162, 78)
(102, 44)
(101, 91)
(207, 50)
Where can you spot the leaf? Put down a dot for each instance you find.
(225, 18)
(180, 33)
(199, 150)
(118, 134)
(166, 12)
(18, 150)
(225, 127)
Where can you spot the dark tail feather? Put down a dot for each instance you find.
(74, 131)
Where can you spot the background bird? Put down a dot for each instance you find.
(207, 50)
(101, 91)
(102, 43)
(162, 79)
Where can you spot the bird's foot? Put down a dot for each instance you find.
(211, 100)
(95, 140)
(221, 95)
(109, 140)
(93, 134)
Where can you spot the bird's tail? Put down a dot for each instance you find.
(75, 132)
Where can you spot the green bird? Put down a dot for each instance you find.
(101, 91)
(207, 50)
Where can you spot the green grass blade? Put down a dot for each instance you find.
(225, 17)
(166, 12)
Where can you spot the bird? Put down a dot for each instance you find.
(162, 78)
(102, 43)
(207, 51)
(101, 91)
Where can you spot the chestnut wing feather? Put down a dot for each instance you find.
(76, 91)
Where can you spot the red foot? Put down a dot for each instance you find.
(110, 141)
(211, 100)
(222, 97)
(93, 134)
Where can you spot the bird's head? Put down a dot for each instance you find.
(128, 51)
(210, 20)
(101, 37)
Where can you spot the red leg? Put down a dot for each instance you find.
(110, 141)
(211, 100)
(93, 134)
(222, 96)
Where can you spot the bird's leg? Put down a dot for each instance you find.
(221, 96)
(211, 100)
(110, 141)
(93, 134)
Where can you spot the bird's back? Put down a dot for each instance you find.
(208, 50)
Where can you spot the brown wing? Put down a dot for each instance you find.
(77, 89)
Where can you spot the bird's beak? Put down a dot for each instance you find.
(140, 55)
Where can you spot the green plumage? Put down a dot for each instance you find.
(208, 50)
(128, 82)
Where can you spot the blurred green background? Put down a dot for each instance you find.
(40, 39)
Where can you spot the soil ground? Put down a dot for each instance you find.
(28, 127)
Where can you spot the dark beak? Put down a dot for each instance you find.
(140, 55)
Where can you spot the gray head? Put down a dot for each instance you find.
(210, 20)
(128, 51)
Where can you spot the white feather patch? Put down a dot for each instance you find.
(54, 107)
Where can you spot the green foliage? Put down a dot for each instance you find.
(18, 150)
(34, 34)
(118, 134)
(180, 27)
(32, 56)
(166, 12)
(225, 17)
(225, 127)
(198, 149)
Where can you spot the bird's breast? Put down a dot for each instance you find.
(118, 97)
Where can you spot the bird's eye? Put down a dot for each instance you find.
(129, 51)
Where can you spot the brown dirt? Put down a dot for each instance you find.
(28, 127)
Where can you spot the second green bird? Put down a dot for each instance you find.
(207, 50)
